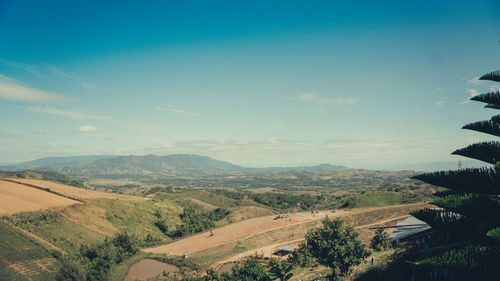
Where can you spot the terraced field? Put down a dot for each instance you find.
(24, 259)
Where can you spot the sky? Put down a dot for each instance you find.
(365, 84)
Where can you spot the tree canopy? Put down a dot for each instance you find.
(336, 246)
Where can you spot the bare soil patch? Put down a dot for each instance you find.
(73, 192)
(148, 268)
(16, 198)
(234, 232)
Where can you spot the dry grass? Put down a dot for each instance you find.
(16, 198)
(90, 217)
(74, 192)
(248, 212)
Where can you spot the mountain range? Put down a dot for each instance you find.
(148, 165)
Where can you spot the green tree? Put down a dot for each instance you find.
(469, 209)
(380, 240)
(71, 271)
(301, 257)
(280, 270)
(336, 246)
(251, 271)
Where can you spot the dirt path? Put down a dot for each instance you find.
(270, 249)
(41, 240)
(248, 228)
(235, 231)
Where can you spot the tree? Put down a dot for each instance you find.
(71, 271)
(380, 240)
(469, 208)
(336, 246)
(251, 271)
(301, 257)
(280, 270)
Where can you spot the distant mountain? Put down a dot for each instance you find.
(147, 165)
(321, 167)
(55, 162)
(150, 165)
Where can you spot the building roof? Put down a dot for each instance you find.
(287, 248)
(408, 227)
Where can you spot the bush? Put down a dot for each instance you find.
(71, 271)
(380, 240)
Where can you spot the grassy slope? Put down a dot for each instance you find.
(24, 259)
(382, 198)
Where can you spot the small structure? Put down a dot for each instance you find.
(285, 250)
(185, 256)
(408, 228)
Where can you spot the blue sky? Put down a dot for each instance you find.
(366, 84)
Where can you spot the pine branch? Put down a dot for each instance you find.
(488, 152)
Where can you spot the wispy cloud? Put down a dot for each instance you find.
(472, 93)
(475, 81)
(49, 71)
(72, 114)
(169, 108)
(33, 69)
(440, 103)
(310, 97)
(11, 90)
(85, 129)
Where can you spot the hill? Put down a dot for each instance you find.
(55, 162)
(175, 165)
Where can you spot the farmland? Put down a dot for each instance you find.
(15, 198)
(243, 222)
(24, 259)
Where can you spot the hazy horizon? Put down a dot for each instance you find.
(363, 85)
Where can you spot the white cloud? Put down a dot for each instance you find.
(175, 110)
(72, 114)
(310, 97)
(87, 129)
(10, 90)
(472, 93)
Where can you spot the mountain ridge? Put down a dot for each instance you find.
(150, 165)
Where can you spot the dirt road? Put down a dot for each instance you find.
(243, 229)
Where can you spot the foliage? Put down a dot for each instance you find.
(471, 205)
(494, 233)
(285, 201)
(488, 152)
(470, 257)
(301, 257)
(488, 127)
(71, 271)
(336, 246)
(476, 180)
(251, 271)
(380, 240)
(280, 270)
(193, 221)
(99, 258)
